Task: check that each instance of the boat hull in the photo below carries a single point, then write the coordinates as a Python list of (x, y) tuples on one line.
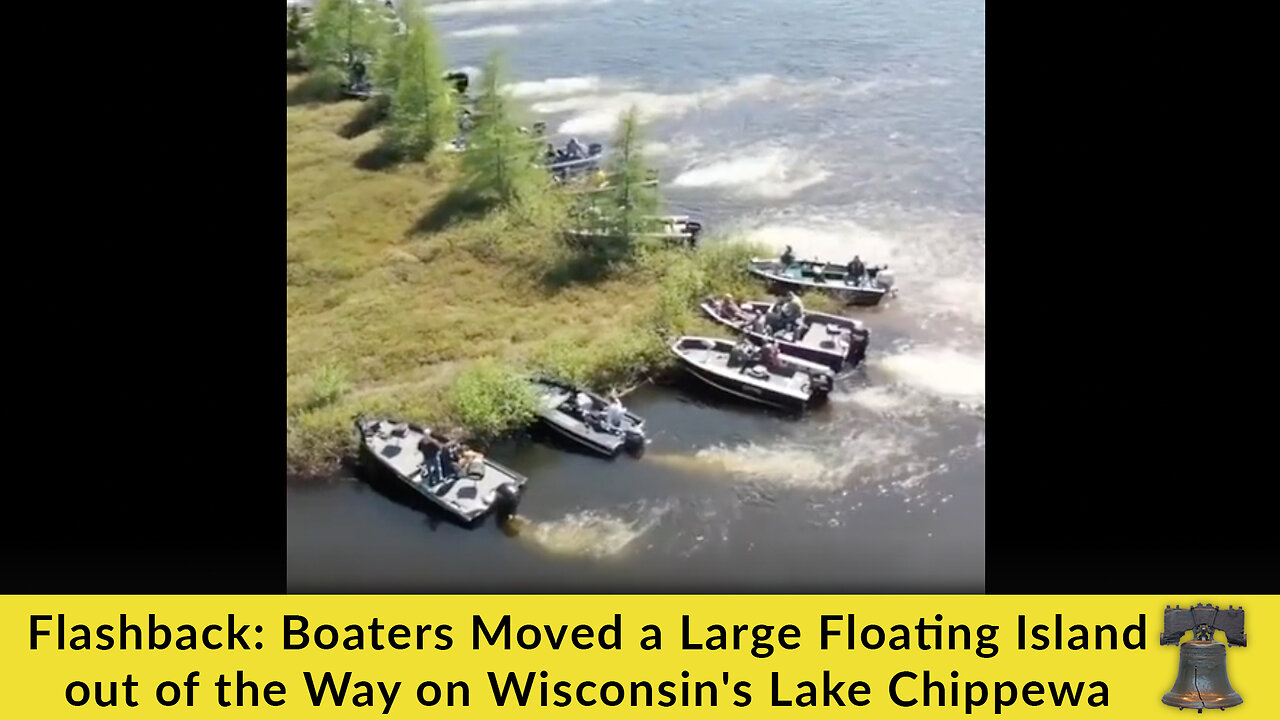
[(745, 391), (733, 382)]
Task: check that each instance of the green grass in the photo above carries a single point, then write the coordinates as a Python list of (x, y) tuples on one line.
[(402, 297)]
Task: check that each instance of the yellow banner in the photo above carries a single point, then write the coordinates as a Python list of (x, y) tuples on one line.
[(627, 655)]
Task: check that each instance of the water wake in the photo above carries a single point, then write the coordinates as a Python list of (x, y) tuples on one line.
[(944, 372), (764, 171), (591, 533), (862, 457), (598, 114), (553, 87), (487, 31), (475, 7)]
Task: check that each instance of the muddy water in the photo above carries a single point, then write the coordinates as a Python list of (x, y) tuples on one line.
[(834, 127)]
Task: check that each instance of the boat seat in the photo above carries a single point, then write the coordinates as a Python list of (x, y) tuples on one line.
[(467, 493), (759, 372)]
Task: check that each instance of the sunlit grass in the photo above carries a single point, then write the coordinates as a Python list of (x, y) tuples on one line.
[(393, 288)]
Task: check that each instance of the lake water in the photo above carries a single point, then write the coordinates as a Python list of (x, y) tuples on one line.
[(836, 127)]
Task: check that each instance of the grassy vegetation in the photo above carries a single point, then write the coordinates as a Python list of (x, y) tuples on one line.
[(405, 297)]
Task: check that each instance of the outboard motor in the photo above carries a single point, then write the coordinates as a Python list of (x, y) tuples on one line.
[(634, 440), (884, 278), (506, 499), (822, 382)]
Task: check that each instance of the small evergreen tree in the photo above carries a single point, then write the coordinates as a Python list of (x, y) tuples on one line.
[(423, 110), (631, 200), (342, 32), (500, 163), (295, 34)]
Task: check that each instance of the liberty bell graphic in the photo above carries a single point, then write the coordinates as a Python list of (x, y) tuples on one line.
[(1202, 662)]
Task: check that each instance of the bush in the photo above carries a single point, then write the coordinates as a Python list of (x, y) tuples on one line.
[(490, 399), (329, 385)]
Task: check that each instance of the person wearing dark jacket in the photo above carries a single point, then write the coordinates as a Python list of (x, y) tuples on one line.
[(856, 269)]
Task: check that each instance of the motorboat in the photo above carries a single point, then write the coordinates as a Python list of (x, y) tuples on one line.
[(581, 416), (463, 483), (869, 288), (739, 369), (834, 341)]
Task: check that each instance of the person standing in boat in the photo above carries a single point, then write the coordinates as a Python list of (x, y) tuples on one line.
[(856, 270), (788, 257), (574, 149), (616, 414), (585, 405)]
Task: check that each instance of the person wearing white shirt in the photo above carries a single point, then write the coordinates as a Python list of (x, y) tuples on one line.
[(616, 414)]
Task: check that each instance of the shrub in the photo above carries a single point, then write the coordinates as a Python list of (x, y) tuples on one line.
[(328, 386), (490, 399)]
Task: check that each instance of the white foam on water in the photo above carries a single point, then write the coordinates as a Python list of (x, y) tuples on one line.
[(553, 87), (487, 31), (598, 114), (886, 84), (764, 171), (476, 7), (678, 147), (862, 457), (592, 533), (961, 297), (944, 372), (886, 401)]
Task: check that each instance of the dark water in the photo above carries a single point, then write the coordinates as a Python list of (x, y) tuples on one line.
[(835, 127)]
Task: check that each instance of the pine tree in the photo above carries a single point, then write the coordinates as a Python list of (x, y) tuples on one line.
[(631, 200), (295, 34), (423, 111), (342, 32), (501, 162)]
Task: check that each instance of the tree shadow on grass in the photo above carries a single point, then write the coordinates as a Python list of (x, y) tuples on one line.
[(314, 89), (576, 268), (457, 205), (379, 157), (371, 113)]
